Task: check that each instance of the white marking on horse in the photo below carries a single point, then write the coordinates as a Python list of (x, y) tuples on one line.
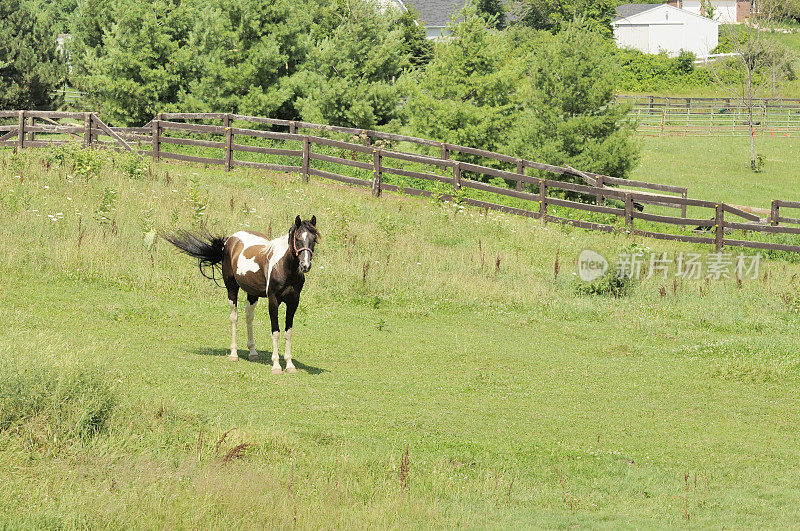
[(288, 354), (249, 239), (276, 366), (279, 246), (234, 356), (246, 265)]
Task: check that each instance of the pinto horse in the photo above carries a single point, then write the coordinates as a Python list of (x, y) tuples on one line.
[(274, 269)]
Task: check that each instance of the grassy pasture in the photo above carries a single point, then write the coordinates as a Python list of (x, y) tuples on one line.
[(422, 326), (718, 168)]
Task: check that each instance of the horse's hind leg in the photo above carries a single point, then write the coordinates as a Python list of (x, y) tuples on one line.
[(233, 297), (249, 314)]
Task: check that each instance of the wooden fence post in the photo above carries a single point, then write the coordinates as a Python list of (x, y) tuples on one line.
[(542, 200), (31, 134), (445, 153), (599, 182), (377, 174), (157, 138), (520, 171), (21, 132), (293, 127), (719, 235), (629, 210), (87, 126), (457, 176), (684, 195), (306, 158), (774, 212), (226, 120)]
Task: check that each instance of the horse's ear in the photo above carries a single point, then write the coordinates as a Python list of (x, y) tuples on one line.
[(314, 220), (297, 222)]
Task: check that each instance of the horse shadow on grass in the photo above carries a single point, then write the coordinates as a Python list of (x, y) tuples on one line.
[(265, 358)]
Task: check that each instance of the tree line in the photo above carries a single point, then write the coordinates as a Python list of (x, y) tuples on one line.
[(539, 88)]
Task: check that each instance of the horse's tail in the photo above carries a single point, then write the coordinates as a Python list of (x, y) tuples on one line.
[(207, 248)]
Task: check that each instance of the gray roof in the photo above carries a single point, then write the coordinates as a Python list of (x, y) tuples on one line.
[(628, 10), (435, 12)]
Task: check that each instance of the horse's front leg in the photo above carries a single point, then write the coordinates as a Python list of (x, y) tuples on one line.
[(276, 332), (291, 307), (250, 314)]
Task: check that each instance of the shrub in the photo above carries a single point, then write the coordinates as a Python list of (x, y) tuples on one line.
[(130, 164), (611, 284)]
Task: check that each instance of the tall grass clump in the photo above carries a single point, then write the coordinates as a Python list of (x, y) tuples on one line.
[(48, 409)]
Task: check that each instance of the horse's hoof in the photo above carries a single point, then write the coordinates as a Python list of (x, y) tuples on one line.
[(276, 370), (291, 370), (233, 357), (253, 357)]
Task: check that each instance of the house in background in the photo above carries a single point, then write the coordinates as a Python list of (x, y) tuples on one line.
[(726, 11), (653, 28), (434, 14)]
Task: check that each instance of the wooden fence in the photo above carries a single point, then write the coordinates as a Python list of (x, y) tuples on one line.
[(309, 153), (659, 115)]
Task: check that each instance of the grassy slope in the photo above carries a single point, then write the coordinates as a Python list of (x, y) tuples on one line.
[(521, 402)]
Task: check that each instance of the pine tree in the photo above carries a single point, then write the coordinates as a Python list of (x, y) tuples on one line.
[(31, 67)]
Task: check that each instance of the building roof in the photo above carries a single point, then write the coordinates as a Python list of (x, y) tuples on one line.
[(628, 10), (435, 13)]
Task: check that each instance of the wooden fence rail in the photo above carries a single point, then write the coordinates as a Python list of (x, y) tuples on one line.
[(538, 192)]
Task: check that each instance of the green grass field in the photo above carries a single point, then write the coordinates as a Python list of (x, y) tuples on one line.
[(718, 168), (422, 326)]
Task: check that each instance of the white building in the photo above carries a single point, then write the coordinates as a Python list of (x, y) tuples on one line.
[(726, 11), (653, 28)]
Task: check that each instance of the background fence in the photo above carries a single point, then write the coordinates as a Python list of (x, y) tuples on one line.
[(659, 115), (376, 160)]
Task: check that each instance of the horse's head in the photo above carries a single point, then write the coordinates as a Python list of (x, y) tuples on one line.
[(302, 238)]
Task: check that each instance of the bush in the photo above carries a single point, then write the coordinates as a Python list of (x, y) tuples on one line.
[(641, 72), (611, 284), (49, 408)]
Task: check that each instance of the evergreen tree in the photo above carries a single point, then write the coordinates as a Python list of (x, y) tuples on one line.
[(464, 95), (31, 67), (141, 65), (242, 54), (568, 117), (415, 41), (527, 93), (493, 11), (553, 15), (349, 77)]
